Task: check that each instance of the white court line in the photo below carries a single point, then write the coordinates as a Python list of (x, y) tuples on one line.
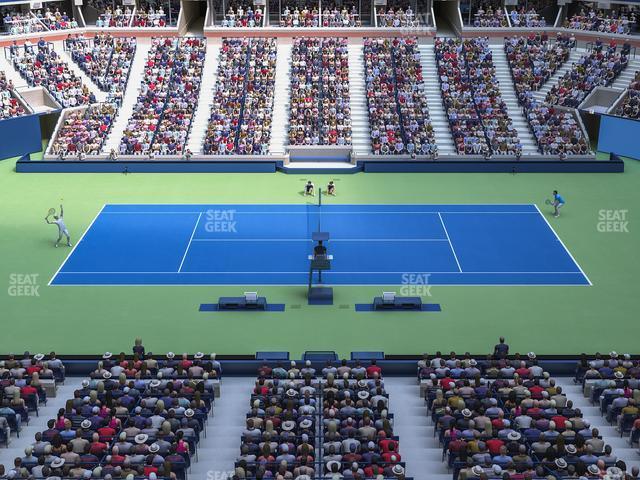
[(76, 244), (450, 244), (309, 240), (304, 284), (345, 204), (190, 240), (307, 272), (563, 245), (351, 212)]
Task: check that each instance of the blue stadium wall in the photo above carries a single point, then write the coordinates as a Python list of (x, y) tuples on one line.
[(620, 136), (20, 136)]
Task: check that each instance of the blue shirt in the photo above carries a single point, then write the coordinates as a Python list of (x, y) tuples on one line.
[(559, 198)]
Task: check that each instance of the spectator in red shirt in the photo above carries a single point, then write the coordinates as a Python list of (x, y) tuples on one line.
[(388, 444), (116, 458), (373, 369), (560, 422), (447, 383), (148, 469), (523, 371), (536, 391), (27, 391), (106, 433), (391, 456), (493, 445), (97, 447), (373, 470)]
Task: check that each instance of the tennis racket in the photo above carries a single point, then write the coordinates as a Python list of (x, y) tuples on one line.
[(51, 211), (548, 202)]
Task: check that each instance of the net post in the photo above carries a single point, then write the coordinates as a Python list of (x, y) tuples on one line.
[(319, 197)]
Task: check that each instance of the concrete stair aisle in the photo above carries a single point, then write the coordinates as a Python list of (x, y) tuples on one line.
[(508, 93), (11, 73), (58, 46), (203, 110), (438, 116), (218, 451), (38, 424), (575, 54), (136, 75), (282, 85), (358, 100), (627, 75), (621, 447), (418, 447)]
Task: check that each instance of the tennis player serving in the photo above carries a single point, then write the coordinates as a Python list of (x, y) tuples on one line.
[(59, 221)]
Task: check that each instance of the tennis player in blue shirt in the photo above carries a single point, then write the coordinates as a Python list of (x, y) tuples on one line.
[(558, 203)]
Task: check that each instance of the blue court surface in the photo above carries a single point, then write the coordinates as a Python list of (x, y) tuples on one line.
[(270, 245)]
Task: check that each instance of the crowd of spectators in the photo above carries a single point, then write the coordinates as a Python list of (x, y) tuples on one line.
[(612, 382), (506, 417), (457, 97), (40, 65), (521, 17), (240, 121), (396, 17), (533, 60), (22, 388), (622, 21), (56, 20), (16, 22), (117, 426), (84, 130), (478, 116), (599, 67), (186, 77), (144, 365), (162, 115), (358, 439), (398, 112), (341, 16), (300, 17), (489, 15), (319, 111), (150, 18), (346, 406), (114, 17), (499, 131), (156, 13), (281, 426), (106, 60), (243, 16), (557, 131), (630, 106), (10, 107), (154, 90)]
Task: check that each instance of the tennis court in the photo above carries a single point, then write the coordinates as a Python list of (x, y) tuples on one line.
[(270, 244)]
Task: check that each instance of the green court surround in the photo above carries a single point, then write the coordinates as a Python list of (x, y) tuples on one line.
[(548, 320)]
